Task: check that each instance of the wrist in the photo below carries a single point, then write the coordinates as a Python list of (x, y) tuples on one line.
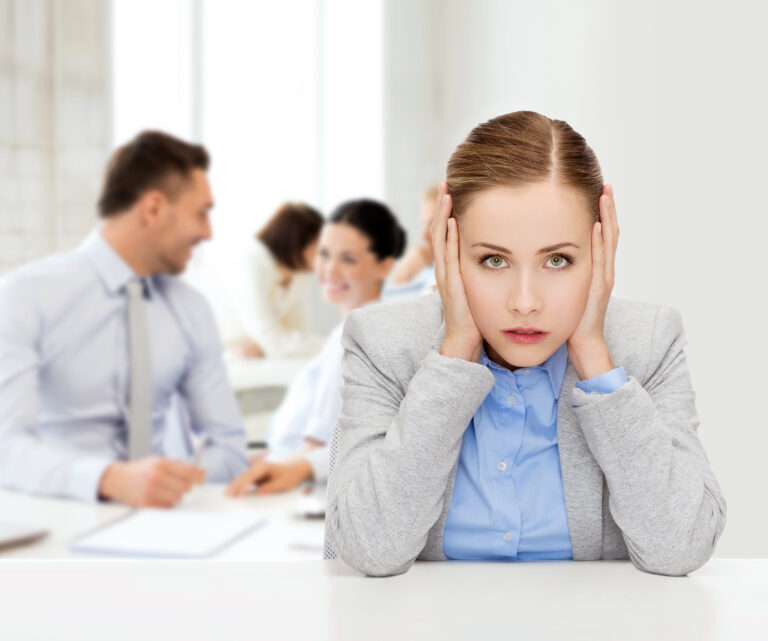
[(465, 350), (110, 480), (590, 360)]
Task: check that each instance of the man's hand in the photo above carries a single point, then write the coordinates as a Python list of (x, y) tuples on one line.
[(150, 482)]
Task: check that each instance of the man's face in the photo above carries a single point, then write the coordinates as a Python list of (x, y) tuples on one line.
[(181, 223)]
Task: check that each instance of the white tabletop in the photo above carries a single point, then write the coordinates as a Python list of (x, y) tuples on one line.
[(256, 373), (326, 600), (250, 592), (286, 535)]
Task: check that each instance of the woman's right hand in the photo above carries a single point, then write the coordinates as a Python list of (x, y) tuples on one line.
[(462, 338)]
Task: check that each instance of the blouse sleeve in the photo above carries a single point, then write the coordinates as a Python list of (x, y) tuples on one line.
[(259, 318), (662, 492)]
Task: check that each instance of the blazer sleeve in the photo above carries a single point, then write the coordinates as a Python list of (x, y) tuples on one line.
[(662, 492), (395, 449)]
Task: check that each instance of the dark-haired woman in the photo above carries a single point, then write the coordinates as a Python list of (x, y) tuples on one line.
[(356, 252), (267, 313)]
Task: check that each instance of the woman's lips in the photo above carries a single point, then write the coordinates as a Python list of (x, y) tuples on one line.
[(517, 336), (334, 289)]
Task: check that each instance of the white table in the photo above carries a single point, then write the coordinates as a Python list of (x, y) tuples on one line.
[(248, 592), (285, 536), (326, 600)]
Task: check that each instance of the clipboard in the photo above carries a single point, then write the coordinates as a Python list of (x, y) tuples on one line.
[(167, 534)]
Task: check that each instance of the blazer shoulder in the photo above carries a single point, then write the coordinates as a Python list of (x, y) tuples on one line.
[(392, 330), (640, 334)]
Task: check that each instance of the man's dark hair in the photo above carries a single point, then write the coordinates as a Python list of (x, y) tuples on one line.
[(152, 160), (292, 228)]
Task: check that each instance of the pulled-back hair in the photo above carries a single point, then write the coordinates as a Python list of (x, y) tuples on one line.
[(290, 230), (521, 148), (152, 160), (375, 221)]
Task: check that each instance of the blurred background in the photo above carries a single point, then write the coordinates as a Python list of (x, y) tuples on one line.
[(324, 100)]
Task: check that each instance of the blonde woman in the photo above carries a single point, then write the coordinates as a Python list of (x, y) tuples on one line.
[(521, 413)]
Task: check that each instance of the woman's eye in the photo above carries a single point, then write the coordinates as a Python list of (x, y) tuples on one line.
[(557, 261), (494, 261)]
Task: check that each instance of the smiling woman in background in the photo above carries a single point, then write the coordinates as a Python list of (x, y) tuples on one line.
[(521, 413), (356, 252), (267, 311)]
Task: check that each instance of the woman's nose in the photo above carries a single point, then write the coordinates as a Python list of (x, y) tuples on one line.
[(524, 299)]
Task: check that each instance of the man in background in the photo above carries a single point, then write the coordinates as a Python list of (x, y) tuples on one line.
[(95, 343)]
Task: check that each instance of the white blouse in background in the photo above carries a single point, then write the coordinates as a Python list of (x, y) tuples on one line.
[(310, 408), (266, 312)]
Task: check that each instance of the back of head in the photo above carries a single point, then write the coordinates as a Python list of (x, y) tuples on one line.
[(377, 222), (521, 148), (290, 230), (152, 160)]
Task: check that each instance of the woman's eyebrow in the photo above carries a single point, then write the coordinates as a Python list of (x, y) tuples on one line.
[(543, 250)]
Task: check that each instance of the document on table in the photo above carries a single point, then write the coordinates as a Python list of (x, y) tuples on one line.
[(168, 534)]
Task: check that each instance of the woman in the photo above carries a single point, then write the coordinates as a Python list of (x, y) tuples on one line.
[(521, 413), (356, 252), (415, 273), (267, 316)]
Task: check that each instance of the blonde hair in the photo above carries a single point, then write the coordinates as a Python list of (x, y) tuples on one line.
[(521, 148)]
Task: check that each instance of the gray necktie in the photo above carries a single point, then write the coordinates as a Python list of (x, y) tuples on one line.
[(140, 394)]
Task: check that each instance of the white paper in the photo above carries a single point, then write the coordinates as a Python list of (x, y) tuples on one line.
[(168, 534)]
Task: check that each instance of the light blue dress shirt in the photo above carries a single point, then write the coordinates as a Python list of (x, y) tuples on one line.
[(508, 500), (64, 372)]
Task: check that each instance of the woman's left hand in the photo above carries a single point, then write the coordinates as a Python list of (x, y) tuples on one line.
[(586, 346)]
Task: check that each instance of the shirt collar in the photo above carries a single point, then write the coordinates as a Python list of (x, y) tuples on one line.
[(110, 267), (554, 366)]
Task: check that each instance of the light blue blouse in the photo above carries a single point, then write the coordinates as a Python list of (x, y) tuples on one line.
[(508, 500)]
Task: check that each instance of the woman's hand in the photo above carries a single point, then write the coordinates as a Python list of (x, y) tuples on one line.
[(271, 477), (586, 346), (462, 338)]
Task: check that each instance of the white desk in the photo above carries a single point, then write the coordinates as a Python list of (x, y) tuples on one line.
[(47, 593), (284, 537), (325, 600)]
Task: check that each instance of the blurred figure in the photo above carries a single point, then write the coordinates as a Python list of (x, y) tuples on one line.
[(357, 251), (416, 271), (95, 343), (267, 309)]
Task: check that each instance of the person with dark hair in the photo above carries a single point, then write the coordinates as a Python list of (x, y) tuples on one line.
[(96, 342), (268, 288), (357, 250)]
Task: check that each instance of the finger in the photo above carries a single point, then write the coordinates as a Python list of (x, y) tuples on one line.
[(161, 497), (253, 476), (610, 232), (174, 484), (439, 231), (184, 471), (598, 254), (275, 483)]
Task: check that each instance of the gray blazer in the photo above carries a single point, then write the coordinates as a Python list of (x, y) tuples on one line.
[(637, 482)]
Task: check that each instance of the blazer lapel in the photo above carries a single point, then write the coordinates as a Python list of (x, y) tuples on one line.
[(582, 478)]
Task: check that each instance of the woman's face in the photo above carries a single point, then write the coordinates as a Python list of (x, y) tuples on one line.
[(348, 271), (526, 262)]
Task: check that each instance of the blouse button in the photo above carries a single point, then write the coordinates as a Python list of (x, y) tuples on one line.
[(526, 372), (501, 466), (511, 400), (507, 536)]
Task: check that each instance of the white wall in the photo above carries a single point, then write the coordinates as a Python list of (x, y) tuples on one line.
[(672, 97), (54, 124)]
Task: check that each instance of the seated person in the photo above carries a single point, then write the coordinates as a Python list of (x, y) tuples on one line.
[(96, 341), (415, 273), (267, 289), (357, 250)]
